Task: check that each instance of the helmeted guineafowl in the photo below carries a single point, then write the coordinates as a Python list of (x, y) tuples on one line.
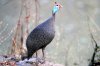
[(42, 35)]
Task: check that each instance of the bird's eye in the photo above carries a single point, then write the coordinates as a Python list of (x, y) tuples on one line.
[(56, 5)]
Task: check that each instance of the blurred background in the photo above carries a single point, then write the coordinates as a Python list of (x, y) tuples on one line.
[(72, 44)]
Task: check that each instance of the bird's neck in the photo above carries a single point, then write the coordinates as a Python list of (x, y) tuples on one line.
[(53, 20), (53, 15)]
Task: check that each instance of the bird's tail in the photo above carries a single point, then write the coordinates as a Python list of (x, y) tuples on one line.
[(24, 57), (30, 53)]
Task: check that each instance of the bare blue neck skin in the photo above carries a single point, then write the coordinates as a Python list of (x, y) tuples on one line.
[(55, 9)]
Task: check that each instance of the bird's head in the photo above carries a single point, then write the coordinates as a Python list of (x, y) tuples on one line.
[(56, 7)]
